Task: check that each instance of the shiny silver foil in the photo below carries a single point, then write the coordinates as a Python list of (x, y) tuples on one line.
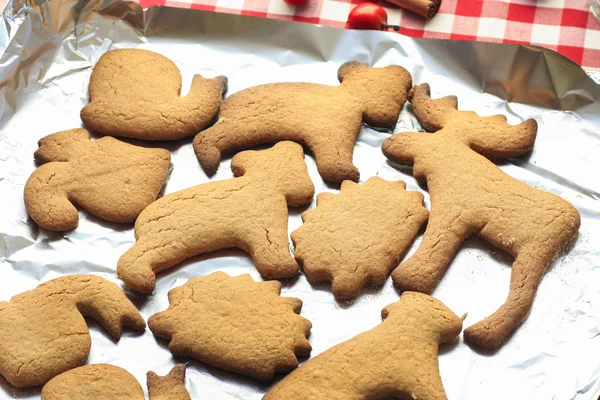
[(49, 49)]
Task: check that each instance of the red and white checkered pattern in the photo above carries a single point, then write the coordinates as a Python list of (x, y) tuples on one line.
[(566, 26)]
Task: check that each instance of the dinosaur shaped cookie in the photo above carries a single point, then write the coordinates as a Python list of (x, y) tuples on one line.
[(471, 195), (325, 119), (109, 178), (235, 324), (396, 359), (108, 382), (136, 93), (249, 212), (358, 236), (43, 331)]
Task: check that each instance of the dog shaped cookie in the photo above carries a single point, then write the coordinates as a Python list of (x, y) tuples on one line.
[(236, 324), (248, 212), (108, 382), (397, 359), (111, 179), (136, 93), (325, 119), (471, 195), (43, 331)]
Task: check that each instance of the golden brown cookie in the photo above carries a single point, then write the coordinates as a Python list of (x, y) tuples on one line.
[(249, 212), (43, 331), (109, 178), (168, 387), (108, 382), (358, 236), (93, 382), (136, 93), (235, 324), (325, 119), (397, 359), (471, 195)]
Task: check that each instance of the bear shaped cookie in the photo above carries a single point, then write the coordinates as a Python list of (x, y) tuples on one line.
[(43, 331), (325, 119), (136, 93), (249, 212), (109, 382), (111, 179), (397, 359), (235, 324), (471, 195), (358, 236)]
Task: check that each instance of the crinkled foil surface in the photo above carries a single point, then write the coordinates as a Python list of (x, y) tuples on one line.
[(49, 50)]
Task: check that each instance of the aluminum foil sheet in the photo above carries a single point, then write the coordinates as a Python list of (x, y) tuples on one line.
[(49, 51)]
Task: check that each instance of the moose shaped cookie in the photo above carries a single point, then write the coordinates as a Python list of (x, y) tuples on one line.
[(248, 212), (136, 93), (359, 235), (109, 382), (43, 331), (471, 195), (236, 324), (325, 119), (397, 359), (111, 179)]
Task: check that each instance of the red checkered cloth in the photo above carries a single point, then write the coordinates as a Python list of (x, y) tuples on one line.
[(566, 26)]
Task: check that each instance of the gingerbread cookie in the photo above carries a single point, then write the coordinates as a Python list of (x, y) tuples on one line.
[(358, 236), (471, 195), (397, 359), (108, 382), (111, 179), (168, 387), (249, 212), (325, 119), (136, 93), (43, 332), (235, 324)]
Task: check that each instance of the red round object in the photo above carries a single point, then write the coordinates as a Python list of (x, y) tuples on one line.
[(367, 16), (295, 2)]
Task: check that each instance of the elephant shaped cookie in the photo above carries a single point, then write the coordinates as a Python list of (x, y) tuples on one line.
[(111, 179), (108, 382), (249, 212), (136, 93), (325, 119), (43, 331), (397, 359), (471, 195)]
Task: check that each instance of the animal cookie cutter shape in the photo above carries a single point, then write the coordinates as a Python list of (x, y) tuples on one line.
[(108, 382), (235, 324), (136, 93), (109, 178), (396, 359), (249, 212), (326, 119), (471, 195), (358, 236), (43, 330)]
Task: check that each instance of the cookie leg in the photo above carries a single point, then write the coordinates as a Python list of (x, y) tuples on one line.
[(269, 248), (444, 234), (205, 145), (334, 161)]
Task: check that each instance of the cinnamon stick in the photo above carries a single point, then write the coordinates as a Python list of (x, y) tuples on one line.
[(425, 8)]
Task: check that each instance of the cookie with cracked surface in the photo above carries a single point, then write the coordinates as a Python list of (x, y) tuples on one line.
[(359, 235), (137, 94), (471, 195), (325, 119), (249, 212), (111, 179), (44, 332), (109, 382), (396, 359), (168, 387), (236, 324)]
